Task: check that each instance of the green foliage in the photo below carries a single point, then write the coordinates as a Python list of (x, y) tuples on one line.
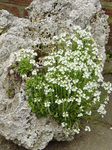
[(25, 66), (69, 86)]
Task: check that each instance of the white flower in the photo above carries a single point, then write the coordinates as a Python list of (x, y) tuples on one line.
[(27, 50), (34, 72), (48, 90), (86, 75), (77, 131), (71, 99), (87, 128), (24, 76), (80, 115), (58, 101), (64, 124), (69, 43), (35, 54), (55, 38), (97, 93), (37, 100), (47, 104), (107, 86), (32, 61), (78, 100), (65, 114), (88, 113), (101, 110), (96, 99)]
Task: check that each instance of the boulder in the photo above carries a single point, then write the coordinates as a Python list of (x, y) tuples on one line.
[(46, 19)]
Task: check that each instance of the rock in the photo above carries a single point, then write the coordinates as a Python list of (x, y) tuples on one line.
[(98, 139), (46, 19), (108, 67), (55, 16), (108, 119)]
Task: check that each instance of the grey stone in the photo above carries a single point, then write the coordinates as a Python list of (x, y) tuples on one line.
[(46, 19), (98, 139), (53, 17)]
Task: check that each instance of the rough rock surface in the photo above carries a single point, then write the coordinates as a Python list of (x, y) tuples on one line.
[(46, 19), (52, 17)]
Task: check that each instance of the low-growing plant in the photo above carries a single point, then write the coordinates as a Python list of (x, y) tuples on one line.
[(69, 84)]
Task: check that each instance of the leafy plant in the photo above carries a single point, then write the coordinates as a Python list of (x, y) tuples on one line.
[(70, 84)]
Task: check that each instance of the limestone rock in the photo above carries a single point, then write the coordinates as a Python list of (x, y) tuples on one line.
[(46, 19), (52, 17)]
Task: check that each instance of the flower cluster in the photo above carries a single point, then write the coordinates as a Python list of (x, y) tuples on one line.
[(70, 87), (27, 62)]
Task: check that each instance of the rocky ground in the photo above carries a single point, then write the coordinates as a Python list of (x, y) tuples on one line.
[(100, 138)]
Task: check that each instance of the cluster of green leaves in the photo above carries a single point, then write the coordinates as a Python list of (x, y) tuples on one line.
[(48, 93), (25, 66)]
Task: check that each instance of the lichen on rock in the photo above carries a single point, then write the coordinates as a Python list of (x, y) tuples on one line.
[(46, 19)]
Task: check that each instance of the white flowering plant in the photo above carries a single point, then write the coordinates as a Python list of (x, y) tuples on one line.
[(68, 86)]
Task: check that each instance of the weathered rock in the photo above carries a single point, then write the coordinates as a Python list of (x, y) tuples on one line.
[(52, 17), (46, 19)]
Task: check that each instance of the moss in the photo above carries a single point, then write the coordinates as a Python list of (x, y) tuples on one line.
[(11, 93)]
